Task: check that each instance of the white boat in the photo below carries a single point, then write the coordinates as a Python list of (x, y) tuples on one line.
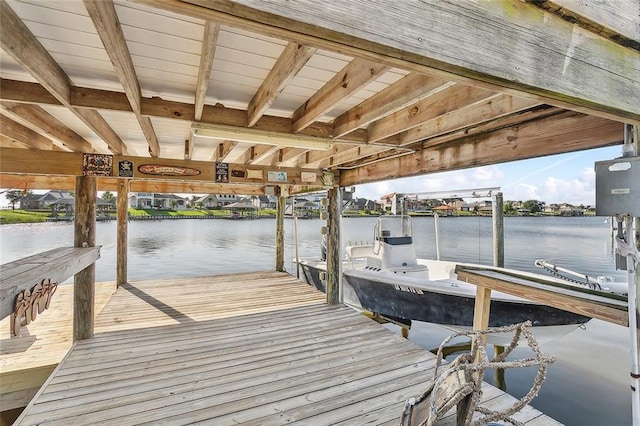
[(387, 278)]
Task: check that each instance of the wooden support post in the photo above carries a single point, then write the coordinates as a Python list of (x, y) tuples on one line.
[(122, 234), (84, 236), (280, 234), (333, 248), (498, 230), (635, 135)]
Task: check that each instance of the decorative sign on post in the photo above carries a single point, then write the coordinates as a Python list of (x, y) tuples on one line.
[(97, 165), (222, 172), (277, 176), (308, 177), (162, 170), (125, 168)]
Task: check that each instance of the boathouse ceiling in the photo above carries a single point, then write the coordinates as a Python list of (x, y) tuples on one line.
[(284, 91)]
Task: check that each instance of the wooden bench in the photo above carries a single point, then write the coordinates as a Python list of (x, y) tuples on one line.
[(27, 361), (57, 265)]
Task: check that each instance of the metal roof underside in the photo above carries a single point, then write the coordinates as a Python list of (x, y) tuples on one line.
[(176, 70)]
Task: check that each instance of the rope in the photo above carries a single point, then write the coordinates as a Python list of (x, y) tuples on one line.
[(625, 249), (467, 371)]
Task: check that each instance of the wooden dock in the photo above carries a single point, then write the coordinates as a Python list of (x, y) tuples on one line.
[(260, 348), (27, 361)]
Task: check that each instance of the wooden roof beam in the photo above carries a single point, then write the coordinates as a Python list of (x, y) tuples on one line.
[(289, 156), (18, 41), (290, 62), (110, 184), (24, 135), (557, 63), (39, 162), (441, 103), (105, 19), (189, 145), (83, 97), (565, 132), (207, 53), (38, 117), (264, 155), (357, 74), (408, 90), (616, 21), (7, 142), (222, 150), (501, 122), (466, 117)]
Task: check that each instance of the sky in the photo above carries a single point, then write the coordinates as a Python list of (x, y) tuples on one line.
[(564, 178)]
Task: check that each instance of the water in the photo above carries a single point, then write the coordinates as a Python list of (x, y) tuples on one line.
[(587, 385)]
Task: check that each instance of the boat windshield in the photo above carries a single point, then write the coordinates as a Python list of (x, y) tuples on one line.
[(392, 227)]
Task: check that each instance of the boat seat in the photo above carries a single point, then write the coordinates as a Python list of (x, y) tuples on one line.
[(360, 251)]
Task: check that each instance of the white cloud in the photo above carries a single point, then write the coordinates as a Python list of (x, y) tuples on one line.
[(576, 190)]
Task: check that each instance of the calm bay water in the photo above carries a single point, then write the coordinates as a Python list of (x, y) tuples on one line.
[(588, 384)]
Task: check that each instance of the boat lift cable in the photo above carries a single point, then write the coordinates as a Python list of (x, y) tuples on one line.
[(557, 272)]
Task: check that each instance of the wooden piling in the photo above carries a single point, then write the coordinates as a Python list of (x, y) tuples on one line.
[(333, 247), (280, 234), (84, 236), (121, 245)]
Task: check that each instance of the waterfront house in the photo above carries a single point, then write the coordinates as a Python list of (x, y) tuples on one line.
[(43, 201), (150, 200), (215, 201)]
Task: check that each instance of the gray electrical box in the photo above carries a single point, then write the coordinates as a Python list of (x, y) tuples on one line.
[(618, 187)]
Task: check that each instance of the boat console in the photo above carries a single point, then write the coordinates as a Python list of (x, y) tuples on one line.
[(392, 249)]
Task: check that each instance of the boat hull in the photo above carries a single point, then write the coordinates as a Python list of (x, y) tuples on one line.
[(398, 298)]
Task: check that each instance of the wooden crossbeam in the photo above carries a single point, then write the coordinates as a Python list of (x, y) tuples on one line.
[(207, 52), (574, 300)]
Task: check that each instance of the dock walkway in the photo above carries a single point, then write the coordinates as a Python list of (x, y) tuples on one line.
[(260, 348)]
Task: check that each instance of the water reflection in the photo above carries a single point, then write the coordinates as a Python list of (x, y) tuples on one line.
[(149, 245), (588, 384)]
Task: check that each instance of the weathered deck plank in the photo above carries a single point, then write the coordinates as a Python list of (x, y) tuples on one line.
[(255, 348), (27, 361)]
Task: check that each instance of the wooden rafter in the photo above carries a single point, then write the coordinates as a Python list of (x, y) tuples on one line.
[(18, 41), (290, 62), (83, 97), (188, 148), (24, 135), (439, 104), (207, 52), (7, 142), (467, 117), (263, 155), (38, 117), (551, 69), (104, 17), (406, 91), (357, 74), (559, 133), (223, 149), (289, 156), (502, 122)]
